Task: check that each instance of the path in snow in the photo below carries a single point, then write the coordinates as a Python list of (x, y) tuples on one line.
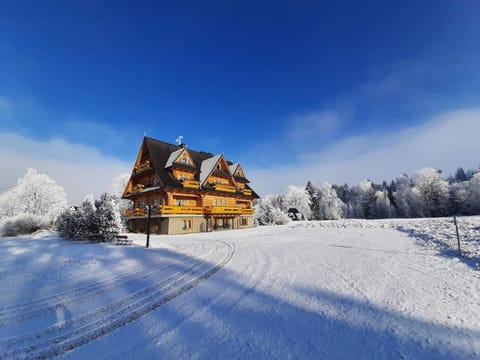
[(295, 291), (94, 312), (314, 293)]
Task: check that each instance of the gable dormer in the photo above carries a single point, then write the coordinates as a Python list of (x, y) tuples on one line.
[(180, 157), (215, 172), (238, 173)]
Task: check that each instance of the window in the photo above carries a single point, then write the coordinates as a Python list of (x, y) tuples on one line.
[(184, 160), (187, 224), (244, 221), (181, 202)]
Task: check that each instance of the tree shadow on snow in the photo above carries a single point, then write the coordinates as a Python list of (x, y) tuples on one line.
[(444, 248), (228, 316)]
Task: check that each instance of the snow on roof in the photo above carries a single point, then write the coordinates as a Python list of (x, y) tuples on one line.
[(173, 156), (233, 168), (207, 167)]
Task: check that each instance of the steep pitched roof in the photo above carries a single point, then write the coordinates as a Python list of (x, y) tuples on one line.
[(173, 156), (163, 156), (207, 167)]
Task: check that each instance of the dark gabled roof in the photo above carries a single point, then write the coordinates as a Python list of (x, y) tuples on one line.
[(160, 154)]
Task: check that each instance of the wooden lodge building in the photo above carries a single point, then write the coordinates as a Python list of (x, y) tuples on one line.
[(187, 191)]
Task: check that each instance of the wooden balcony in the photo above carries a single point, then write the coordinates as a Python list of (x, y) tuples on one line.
[(135, 212), (174, 209), (191, 184), (226, 188), (248, 211), (143, 167), (137, 188), (247, 192), (223, 210)]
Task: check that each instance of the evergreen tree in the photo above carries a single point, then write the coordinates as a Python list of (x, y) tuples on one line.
[(314, 206)]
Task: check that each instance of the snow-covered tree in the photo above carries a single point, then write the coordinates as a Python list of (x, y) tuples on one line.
[(314, 205), (106, 217), (329, 204), (119, 183), (433, 191), (95, 222), (268, 212), (382, 207), (34, 203), (407, 199), (472, 189), (298, 198), (37, 194)]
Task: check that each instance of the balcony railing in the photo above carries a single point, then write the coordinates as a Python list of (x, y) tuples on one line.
[(224, 187), (174, 209), (189, 210), (222, 210), (191, 184), (134, 212), (145, 166), (247, 192)]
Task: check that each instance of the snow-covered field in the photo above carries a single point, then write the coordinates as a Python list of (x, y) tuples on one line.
[(390, 289)]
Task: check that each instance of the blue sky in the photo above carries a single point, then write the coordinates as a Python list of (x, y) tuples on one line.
[(323, 90)]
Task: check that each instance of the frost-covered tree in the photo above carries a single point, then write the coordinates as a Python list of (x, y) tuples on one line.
[(407, 199), (298, 198), (37, 194), (382, 207), (363, 200), (106, 217), (433, 191), (330, 205), (34, 203), (119, 183), (314, 205), (268, 211), (94, 222), (472, 188)]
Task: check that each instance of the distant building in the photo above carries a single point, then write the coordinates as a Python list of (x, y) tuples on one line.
[(187, 191)]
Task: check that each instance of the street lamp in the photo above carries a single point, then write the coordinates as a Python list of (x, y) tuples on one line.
[(149, 215)]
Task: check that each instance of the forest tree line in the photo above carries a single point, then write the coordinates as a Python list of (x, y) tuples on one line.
[(425, 194)]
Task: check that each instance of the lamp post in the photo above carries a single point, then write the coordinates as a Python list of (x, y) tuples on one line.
[(149, 207), (149, 215)]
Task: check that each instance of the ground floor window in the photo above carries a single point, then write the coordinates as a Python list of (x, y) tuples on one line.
[(244, 221), (187, 224)]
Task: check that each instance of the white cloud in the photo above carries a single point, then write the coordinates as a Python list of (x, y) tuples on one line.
[(306, 127), (444, 142), (79, 169)]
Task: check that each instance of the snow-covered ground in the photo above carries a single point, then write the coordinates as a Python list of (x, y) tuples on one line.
[(387, 289)]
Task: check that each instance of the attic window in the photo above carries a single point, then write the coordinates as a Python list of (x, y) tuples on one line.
[(184, 160)]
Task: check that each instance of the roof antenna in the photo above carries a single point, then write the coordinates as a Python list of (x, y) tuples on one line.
[(179, 140)]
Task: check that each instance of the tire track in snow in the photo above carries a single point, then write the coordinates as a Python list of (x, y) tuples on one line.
[(82, 329), (21, 312)]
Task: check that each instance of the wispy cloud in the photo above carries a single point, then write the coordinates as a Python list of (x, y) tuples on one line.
[(80, 169), (444, 142), (315, 125)]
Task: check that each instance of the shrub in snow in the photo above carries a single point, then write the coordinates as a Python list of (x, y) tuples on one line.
[(22, 224), (95, 222)]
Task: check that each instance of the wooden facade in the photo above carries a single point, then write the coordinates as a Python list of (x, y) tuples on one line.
[(187, 191)]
